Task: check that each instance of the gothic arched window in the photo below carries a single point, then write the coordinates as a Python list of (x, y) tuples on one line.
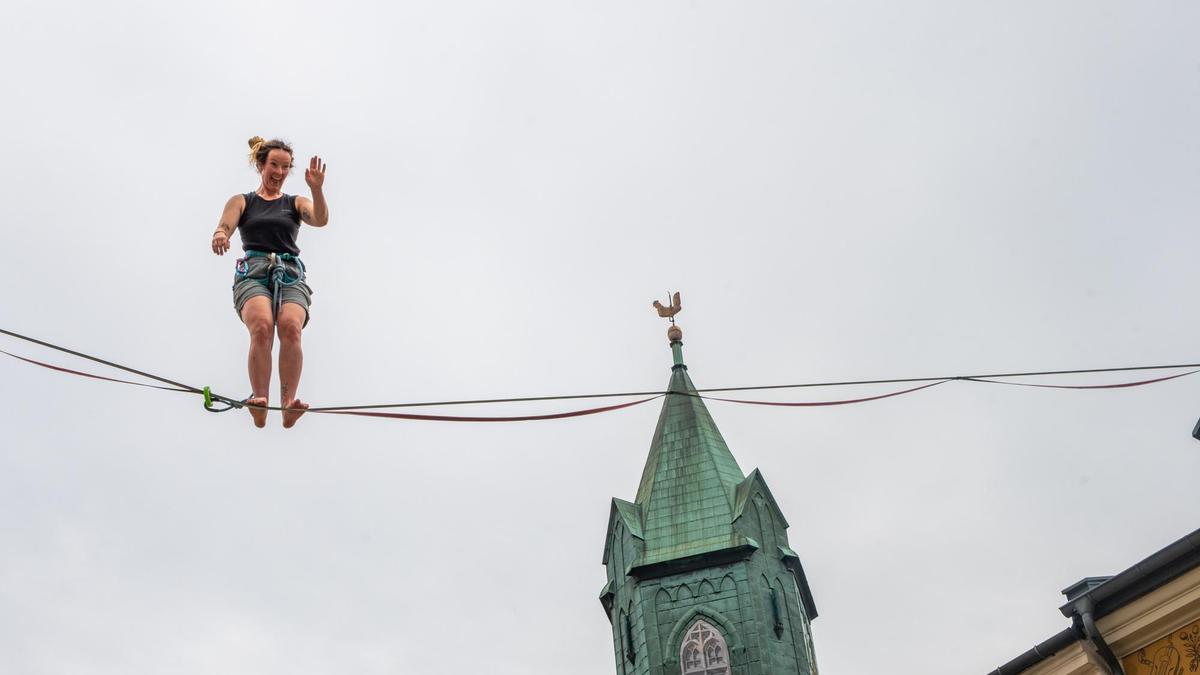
[(704, 651)]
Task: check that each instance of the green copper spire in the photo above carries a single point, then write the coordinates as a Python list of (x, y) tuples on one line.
[(689, 484)]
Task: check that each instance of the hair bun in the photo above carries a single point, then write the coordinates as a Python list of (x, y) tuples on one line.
[(255, 143)]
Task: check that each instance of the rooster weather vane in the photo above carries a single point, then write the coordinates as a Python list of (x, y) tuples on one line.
[(674, 333)]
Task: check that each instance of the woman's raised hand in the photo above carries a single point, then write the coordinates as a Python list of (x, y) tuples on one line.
[(314, 175)]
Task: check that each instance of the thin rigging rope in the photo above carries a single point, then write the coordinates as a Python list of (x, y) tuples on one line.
[(519, 418), (712, 390), (1121, 385), (827, 403), (102, 361), (98, 377)]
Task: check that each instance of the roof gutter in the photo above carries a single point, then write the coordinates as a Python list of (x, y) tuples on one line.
[(1147, 575), (1040, 652), (1083, 627)]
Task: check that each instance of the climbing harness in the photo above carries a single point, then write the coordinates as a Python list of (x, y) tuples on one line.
[(279, 274)]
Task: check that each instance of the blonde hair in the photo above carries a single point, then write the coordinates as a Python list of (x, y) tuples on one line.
[(260, 148)]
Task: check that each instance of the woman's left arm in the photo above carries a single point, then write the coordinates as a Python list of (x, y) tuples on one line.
[(315, 212)]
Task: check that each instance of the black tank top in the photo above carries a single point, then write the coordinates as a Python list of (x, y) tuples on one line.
[(270, 226)]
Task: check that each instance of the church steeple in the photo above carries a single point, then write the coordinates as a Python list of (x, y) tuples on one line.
[(688, 488), (701, 579)]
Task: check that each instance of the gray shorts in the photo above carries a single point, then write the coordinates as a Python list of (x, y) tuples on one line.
[(254, 276)]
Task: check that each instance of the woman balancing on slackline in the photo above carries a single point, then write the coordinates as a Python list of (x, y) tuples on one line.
[(269, 292)]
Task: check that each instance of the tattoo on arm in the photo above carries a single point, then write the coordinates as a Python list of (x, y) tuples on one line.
[(307, 213)]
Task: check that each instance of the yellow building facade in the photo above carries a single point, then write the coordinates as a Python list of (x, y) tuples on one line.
[(1143, 621), (1175, 654)]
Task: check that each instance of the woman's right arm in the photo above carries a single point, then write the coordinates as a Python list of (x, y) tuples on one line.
[(229, 220)]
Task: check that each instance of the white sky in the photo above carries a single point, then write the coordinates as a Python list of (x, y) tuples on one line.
[(841, 191)]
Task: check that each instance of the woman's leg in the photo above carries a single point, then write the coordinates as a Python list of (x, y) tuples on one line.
[(256, 314), (291, 360)]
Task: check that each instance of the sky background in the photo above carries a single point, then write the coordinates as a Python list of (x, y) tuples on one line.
[(841, 191)]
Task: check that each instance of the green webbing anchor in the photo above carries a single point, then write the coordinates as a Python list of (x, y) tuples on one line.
[(208, 402)]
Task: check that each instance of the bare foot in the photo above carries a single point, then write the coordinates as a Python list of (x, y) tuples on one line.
[(292, 412), (260, 413)]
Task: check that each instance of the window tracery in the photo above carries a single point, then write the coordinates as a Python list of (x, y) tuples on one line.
[(704, 651)]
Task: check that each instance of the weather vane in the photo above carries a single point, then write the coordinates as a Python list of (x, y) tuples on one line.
[(674, 333)]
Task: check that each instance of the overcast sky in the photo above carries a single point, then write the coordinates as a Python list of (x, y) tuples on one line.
[(850, 190)]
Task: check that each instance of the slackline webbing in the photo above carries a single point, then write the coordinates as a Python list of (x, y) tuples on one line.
[(460, 418), (824, 403), (89, 357), (363, 410), (1121, 385), (98, 377)]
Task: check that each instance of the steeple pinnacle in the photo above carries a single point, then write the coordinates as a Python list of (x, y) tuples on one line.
[(674, 333)]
